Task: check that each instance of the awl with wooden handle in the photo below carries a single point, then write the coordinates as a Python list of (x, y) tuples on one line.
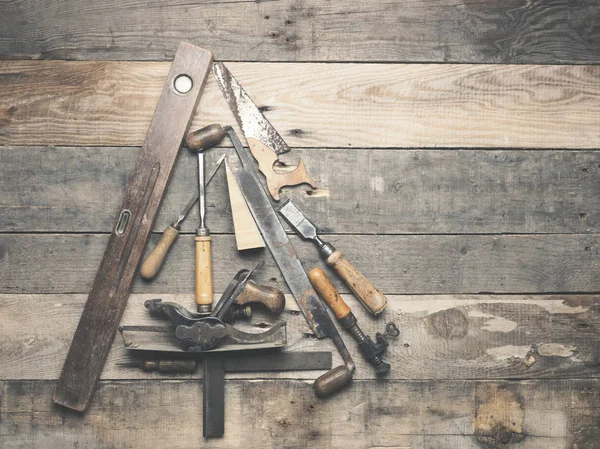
[(197, 142), (155, 259), (365, 291)]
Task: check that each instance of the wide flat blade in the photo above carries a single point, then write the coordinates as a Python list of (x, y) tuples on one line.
[(253, 123), (279, 244), (298, 220)]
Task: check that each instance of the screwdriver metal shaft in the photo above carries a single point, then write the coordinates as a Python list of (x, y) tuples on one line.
[(155, 259)]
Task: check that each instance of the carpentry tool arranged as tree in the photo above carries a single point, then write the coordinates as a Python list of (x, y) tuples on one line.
[(152, 264), (145, 188), (290, 266), (198, 332), (209, 331), (370, 350), (265, 142), (364, 290), (270, 361)]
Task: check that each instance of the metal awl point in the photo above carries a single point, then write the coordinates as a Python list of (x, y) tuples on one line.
[(192, 201)]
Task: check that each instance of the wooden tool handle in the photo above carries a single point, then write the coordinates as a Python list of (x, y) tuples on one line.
[(328, 293), (205, 138), (155, 259), (204, 285), (271, 297), (332, 381), (372, 299)]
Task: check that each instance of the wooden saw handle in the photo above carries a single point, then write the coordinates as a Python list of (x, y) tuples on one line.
[(155, 259), (271, 297), (266, 158), (365, 291), (204, 284)]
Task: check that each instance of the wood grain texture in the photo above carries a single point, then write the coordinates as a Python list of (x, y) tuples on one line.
[(405, 264), (355, 105), (442, 336), (520, 31), (389, 192), (442, 414), (247, 235)]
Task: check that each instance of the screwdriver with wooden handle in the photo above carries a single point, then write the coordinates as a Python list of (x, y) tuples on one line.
[(155, 259), (365, 291), (197, 142)]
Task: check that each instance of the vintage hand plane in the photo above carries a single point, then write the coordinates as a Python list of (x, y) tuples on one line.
[(197, 332), (210, 337)]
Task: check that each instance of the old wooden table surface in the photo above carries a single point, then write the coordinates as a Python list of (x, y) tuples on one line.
[(455, 148)]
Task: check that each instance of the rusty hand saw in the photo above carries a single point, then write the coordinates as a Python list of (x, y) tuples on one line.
[(263, 139), (145, 188)]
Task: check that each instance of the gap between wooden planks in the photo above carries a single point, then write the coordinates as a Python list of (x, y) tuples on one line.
[(315, 105), (442, 336), (549, 414), (80, 189), (397, 264)]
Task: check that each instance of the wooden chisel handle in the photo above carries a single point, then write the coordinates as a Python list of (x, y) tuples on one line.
[(155, 259), (271, 297), (204, 284), (365, 291)]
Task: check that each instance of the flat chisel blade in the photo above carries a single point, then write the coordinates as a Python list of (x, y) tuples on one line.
[(278, 242), (253, 123), (298, 220)]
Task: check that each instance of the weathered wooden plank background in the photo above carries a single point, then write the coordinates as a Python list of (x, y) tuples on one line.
[(456, 149), (496, 31), (355, 105)]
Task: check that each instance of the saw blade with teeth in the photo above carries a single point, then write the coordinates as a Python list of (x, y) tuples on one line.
[(253, 123)]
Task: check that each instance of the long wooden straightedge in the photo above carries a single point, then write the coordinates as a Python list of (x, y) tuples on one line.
[(144, 193)]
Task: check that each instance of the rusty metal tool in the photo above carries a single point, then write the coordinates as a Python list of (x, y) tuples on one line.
[(197, 332), (198, 142), (365, 291), (290, 266), (370, 350), (152, 264), (216, 365), (144, 192), (200, 333), (265, 142)]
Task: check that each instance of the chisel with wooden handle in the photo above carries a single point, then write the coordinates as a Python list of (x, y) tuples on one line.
[(197, 142), (365, 291), (155, 259)]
